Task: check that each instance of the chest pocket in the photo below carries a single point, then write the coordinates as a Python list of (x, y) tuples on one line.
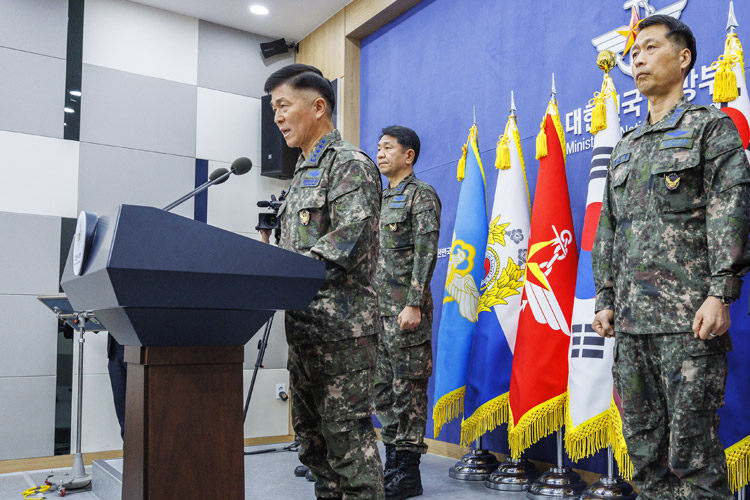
[(677, 182), (619, 181), (395, 229), (308, 216)]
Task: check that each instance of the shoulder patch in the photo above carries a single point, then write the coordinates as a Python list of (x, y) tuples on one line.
[(311, 178), (621, 159), (682, 142)]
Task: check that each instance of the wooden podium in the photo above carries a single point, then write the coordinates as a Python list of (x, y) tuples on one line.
[(184, 298)]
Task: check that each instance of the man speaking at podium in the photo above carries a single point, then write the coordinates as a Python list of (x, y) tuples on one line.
[(331, 213)]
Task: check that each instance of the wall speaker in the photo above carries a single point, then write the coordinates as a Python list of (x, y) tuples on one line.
[(277, 159)]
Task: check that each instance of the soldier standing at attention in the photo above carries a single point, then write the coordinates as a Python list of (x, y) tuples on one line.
[(409, 230), (331, 213), (667, 261)]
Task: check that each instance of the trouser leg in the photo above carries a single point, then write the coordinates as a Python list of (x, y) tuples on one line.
[(671, 386), (343, 455), (306, 421), (384, 392), (118, 378), (405, 371), (694, 375), (638, 382)]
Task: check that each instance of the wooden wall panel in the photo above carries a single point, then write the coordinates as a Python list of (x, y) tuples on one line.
[(324, 47), (334, 48), (364, 17)]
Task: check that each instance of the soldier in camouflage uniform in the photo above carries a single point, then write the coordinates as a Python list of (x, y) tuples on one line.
[(331, 213), (409, 230), (668, 259)]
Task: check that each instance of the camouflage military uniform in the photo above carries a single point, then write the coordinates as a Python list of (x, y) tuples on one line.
[(409, 230), (673, 225), (331, 213)]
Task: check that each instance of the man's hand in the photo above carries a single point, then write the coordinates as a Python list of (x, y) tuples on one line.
[(265, 235), (410, 318), (711, 320), (603, 323)]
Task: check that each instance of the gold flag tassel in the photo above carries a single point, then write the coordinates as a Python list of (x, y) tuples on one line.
[(599, 115), (541, 139), (462, 161), (725, 81), (502, 157)]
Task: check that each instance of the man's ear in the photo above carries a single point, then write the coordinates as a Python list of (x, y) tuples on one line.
[(410, 154), (685, 57), (321, 107)]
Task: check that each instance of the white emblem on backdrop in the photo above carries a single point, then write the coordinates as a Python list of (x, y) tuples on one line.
[(615, 42)]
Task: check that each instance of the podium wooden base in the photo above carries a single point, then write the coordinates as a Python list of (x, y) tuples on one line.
[(183, 423)]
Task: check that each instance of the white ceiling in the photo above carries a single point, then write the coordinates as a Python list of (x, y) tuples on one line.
[(290, 19)]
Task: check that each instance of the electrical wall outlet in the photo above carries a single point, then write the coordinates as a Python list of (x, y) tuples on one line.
[(280, 389)]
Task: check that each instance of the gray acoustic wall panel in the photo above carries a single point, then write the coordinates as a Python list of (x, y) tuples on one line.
[(38, 26), (29, 337), (30, 254), (139, 112), (34, 87), (109, 176), (28, 417), (230, 60)]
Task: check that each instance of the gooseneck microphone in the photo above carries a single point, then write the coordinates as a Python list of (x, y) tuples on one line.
[(240, 166)]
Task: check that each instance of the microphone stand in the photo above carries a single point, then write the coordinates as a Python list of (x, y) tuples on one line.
[(198, 190)]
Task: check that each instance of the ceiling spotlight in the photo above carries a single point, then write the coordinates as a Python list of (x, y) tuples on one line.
[(258, 10), (70, 110), (76, 93)]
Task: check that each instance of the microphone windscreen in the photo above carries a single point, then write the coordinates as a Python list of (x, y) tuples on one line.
[(218, 173), (264, 203), (241, 165)]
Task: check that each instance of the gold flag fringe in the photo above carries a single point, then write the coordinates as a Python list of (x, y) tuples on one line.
[(447, 408), (540, 421), (597, 433), (738, 464), (485, 419), (725, 81)]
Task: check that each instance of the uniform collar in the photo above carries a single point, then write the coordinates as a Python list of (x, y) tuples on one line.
[(401, 185), (320, 147), (668, 121)]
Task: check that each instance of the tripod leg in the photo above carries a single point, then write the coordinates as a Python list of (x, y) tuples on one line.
[(258, 362)]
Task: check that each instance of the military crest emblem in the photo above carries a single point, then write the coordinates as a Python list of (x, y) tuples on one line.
[(672, 181), (393, 226), (304, 217), (460, 284), (616, 41)]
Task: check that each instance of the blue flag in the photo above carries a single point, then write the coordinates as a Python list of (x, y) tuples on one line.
[(461, 295), (488, 379)]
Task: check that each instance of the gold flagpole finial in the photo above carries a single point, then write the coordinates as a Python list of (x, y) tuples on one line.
[(606, 61)]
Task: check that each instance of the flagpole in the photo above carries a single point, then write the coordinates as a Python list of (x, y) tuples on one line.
[(476, 465), (559, 481)]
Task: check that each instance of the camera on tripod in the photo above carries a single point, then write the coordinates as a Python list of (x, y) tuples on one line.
[(270, 220)]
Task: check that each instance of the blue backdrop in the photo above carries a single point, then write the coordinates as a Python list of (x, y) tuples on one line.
[(430, 67)]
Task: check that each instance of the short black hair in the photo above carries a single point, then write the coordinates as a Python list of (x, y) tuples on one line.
[(406, 137), (678, 32), (303, 76)]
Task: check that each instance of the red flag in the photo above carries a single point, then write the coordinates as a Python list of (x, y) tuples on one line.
[(539, 381)]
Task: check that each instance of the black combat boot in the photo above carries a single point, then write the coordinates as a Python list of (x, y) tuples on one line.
[(406, 481), (391, 464)]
